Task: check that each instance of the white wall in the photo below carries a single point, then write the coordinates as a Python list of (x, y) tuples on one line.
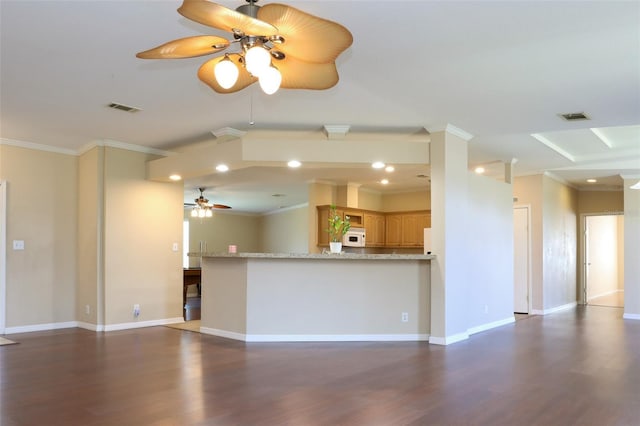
[(631, 249), (490, 251)]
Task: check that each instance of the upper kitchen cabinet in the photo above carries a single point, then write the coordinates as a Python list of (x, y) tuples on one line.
[(406, 229), (374, 225)]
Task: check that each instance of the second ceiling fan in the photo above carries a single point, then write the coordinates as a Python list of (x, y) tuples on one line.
[(277, 45)]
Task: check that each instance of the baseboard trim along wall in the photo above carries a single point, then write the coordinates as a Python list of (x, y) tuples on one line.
[(315, 337), (553, 310), (40, 327), (490, 325), (141, 324), (631, 316), (448, 340), (89, 326)]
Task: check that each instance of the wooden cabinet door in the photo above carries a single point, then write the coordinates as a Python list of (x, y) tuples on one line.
[(393, 228), (374, 225), (413, 225)]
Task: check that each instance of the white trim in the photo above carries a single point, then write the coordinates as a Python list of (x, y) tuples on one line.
[(466, 136), (286, 209), (490, 325), (606, 293), (122, 145), (631, 316), (40, 327), (315, 337), (554, 310), (448, 340), (543, 140), (3, 254), (529, 252), (141, 324), (90, 327), (37, 146)]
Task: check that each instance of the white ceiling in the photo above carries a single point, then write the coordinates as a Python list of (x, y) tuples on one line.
[(499, 70)]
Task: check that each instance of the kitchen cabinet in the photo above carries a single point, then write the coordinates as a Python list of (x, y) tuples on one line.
[(393, 226), (374, 225), (406, 229)]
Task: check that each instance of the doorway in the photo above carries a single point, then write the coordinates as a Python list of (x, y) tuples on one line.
[(521, 260), (603, 260)]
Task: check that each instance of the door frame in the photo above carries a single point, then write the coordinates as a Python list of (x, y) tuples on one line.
[(527, 207), (3, 255), (583, 246)]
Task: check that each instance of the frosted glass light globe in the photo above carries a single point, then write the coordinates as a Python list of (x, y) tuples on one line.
[(258, 60), (270, 80), (226, 73)]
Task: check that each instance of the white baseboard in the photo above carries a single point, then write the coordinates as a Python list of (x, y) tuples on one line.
[(606, 293), (553, 310), (490, 325), (40, 327), (448, 340), (90, 327), (631, 316), (141, 324), (315, 337)]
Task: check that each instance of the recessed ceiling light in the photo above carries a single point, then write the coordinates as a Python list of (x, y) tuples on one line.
[(378, 165), (479, 170), (591, 180), (384, 181), (222, 168), (175, 177), (294, 163), (389, 169)]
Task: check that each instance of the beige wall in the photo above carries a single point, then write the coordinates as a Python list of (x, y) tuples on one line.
[(90, 284), (142, 220), (369, 200), (285, 231), (600, 202), (560, 210), (404, 201), (620, 250), (223, 229), (41, 211)]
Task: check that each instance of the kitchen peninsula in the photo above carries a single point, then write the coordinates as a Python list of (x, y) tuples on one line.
[(274, 297)]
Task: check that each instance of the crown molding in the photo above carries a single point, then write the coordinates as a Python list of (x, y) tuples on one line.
[(450, 128), (122, 145), (37, 146)]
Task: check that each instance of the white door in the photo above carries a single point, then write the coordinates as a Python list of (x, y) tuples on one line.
[(521, 260), (602, 275)]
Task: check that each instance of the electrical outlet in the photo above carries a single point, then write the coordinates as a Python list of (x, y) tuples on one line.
[(136, 310), (87, 309), (405, 317), (18, 244)]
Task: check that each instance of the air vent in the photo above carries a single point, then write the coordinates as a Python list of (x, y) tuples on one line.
[(124, 108), (573, 116)]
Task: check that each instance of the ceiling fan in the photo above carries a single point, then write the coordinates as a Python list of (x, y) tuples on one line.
[(202, 208), (276, 45)]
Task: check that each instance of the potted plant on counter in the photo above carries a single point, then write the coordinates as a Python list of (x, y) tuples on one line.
[(337, 228)]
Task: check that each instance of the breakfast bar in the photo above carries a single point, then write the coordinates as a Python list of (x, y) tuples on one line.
[(282, 297)]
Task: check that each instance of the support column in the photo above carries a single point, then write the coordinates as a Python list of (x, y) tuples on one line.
[(449, 215), (631, 248)]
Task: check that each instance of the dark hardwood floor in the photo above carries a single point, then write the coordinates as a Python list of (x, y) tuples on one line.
[(580, 367)]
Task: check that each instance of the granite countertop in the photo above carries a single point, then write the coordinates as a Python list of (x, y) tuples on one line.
[(326, 256)]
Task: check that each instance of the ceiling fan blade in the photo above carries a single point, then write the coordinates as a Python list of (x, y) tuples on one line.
[(207, 75), (298, 74), (221, 206), (306, 36), (217, 16), (188, 47)]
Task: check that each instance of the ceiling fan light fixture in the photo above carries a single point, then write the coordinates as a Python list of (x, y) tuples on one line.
[(226, 72), (257, 60), (270, 80)]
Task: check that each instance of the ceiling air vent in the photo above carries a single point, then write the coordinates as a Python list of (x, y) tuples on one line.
[(573, 116), (124, 108)]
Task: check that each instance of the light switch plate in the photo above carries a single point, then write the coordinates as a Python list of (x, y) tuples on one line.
[(174, 247), (18, 244)]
